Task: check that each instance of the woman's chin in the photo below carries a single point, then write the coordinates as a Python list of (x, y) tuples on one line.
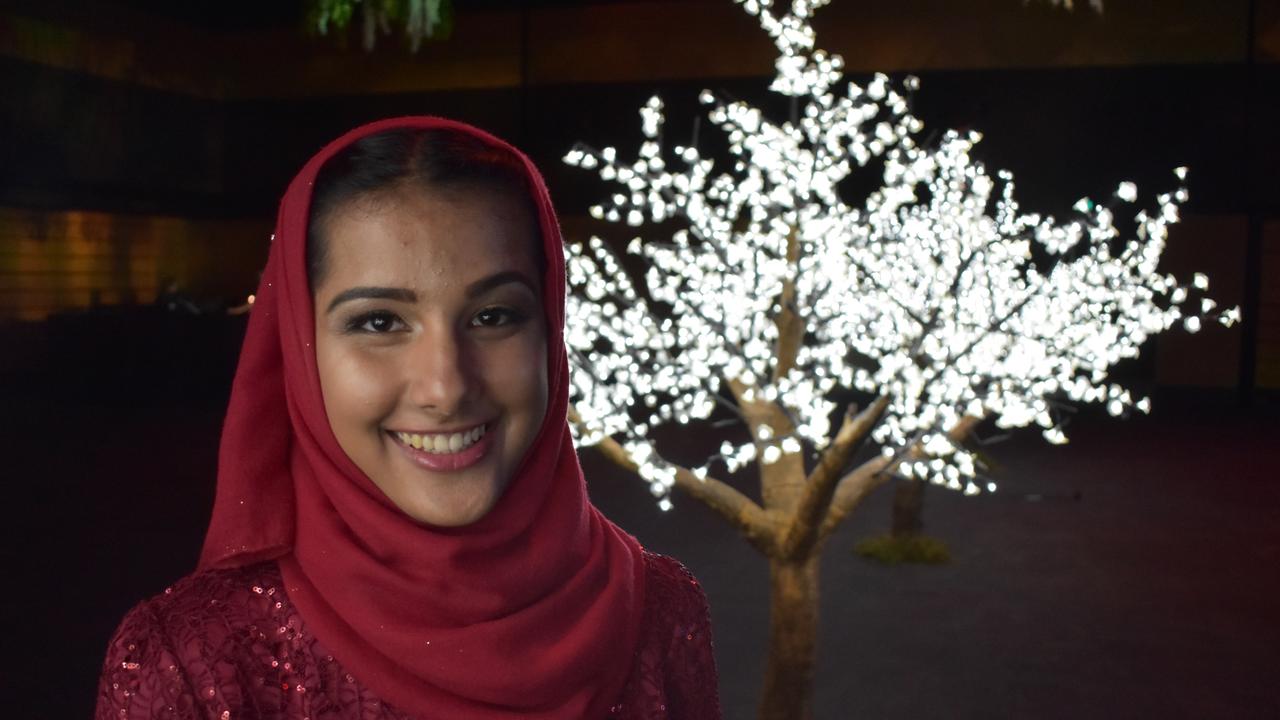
[(448, 500), (453, 516)]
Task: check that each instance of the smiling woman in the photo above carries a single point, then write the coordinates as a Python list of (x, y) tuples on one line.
[(402, 528), (431, 342)]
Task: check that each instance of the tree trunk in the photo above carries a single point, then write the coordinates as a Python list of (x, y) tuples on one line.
[(908, 508), (793, 624)]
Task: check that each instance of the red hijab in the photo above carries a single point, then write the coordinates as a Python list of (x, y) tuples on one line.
[(533, 611)]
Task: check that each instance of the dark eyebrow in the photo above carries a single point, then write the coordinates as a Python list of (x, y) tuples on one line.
[(484, 285), (373, 293), (476, 288)]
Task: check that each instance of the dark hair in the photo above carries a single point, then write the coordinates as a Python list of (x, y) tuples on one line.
[(435, 159)]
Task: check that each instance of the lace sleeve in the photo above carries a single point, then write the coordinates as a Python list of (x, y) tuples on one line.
[(691, 679), (141, 677)]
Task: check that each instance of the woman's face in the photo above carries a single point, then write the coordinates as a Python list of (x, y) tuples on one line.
[(432, 345)]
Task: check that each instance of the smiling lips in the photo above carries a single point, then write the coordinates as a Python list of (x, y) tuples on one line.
[(445, 451), (440, 443)]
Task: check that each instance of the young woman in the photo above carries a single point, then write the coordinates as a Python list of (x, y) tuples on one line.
[(401, 527)]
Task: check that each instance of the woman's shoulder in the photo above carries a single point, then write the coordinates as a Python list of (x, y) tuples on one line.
[(167, 645), (669, 582), (210, 597), (675, 605), (218, 583), (203, 610), (675, 671)]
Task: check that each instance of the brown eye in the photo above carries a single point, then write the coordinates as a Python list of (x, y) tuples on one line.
[(497, 317), (376, 323)]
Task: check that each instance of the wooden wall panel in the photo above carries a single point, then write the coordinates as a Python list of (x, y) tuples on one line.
[(60, 261)]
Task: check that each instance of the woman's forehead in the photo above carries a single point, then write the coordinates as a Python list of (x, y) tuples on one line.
[(444, 238)]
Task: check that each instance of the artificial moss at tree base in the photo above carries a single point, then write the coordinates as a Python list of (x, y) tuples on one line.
[(904, 549)]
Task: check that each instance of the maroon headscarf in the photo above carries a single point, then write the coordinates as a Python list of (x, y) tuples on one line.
[(533, 611)]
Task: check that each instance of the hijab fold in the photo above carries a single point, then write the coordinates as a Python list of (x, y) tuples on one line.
[(533, 611)]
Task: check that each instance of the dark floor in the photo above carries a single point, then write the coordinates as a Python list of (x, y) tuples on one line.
[(1134, 573), (1155, 594)]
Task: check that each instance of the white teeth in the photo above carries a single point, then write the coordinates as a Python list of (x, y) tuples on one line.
[(451, 443)]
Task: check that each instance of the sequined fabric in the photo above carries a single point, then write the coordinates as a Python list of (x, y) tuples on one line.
[(228, 644)]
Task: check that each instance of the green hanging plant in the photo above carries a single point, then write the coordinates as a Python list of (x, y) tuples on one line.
[(430, 19)]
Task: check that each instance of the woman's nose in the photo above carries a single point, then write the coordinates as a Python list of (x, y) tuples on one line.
[(438, 372)]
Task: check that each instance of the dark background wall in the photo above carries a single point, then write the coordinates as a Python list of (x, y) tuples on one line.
[(202, 111)]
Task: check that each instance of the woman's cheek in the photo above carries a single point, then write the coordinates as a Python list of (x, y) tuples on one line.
[(365, 386), (534, 378)]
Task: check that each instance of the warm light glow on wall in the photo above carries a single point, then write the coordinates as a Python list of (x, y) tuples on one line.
[(62, 261)]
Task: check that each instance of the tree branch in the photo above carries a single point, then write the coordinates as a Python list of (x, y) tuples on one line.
[(854, 486), (758, 411), (789, 322), (802, 530), (781, 482), (741, 511)]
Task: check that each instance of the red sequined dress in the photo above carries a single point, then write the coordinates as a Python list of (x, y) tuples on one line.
[(228, 645)]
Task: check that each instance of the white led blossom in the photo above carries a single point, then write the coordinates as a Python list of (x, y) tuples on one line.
[(936, 295)]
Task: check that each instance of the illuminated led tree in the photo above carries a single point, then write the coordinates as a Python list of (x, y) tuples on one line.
[(936, 299)]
